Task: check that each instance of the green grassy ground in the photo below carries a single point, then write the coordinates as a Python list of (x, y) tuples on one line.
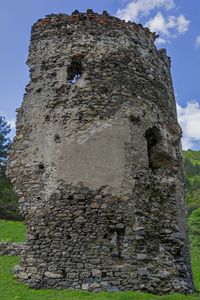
[(11, 289), (12, 231)]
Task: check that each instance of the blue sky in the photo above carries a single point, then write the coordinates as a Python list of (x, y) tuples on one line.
[(177, 22)]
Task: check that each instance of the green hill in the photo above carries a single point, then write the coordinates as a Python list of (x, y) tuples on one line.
[(192, 178)]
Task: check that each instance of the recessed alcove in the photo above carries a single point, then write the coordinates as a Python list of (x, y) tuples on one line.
[(153, 137), (75, 69)]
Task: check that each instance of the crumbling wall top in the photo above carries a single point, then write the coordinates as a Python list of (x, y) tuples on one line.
[(89, 16)]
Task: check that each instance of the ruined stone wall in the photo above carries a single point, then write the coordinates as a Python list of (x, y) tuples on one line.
[(96, 161)]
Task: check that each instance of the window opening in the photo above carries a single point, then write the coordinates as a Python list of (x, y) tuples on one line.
[(75, 69), (153, 137), (117, 239)]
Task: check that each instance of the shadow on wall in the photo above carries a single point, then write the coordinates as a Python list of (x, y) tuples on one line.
[(159, 153)]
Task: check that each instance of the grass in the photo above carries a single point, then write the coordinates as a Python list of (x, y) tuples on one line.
[(12, 231), (11, 289), (196, 269)]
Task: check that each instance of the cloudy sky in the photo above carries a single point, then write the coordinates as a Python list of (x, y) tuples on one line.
[(176, 21)]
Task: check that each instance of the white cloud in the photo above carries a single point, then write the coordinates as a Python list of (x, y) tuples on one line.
[(182, 24), (197, 42), (158, 24), (138, 8), (161, 41), (189, 119), (167, 26)]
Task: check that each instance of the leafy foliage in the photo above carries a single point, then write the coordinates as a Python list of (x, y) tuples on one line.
[(6, 193), (193, 155), (8, 199), (4, 140)]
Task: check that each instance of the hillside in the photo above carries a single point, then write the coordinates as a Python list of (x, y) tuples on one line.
[(192, 178)]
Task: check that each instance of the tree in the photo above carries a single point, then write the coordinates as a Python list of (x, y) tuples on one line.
[(8, 199), (4, 140)]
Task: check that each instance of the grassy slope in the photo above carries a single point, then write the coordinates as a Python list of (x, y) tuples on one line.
[(11, 289)]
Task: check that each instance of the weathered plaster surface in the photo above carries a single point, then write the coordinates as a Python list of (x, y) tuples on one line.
[(96, 162)]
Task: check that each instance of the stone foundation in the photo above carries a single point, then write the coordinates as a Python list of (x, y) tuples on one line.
[(12, 249)]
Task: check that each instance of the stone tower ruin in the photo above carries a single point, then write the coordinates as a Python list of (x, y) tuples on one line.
[(96, 161)]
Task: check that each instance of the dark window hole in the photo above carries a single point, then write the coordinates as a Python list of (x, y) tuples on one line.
[(64, 274), (75, 78), (57, 138), (75, 69), (153, 137), (70, 197), (41, 166), (118, 244), (178, 252), (142, 248), (134, 119)]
